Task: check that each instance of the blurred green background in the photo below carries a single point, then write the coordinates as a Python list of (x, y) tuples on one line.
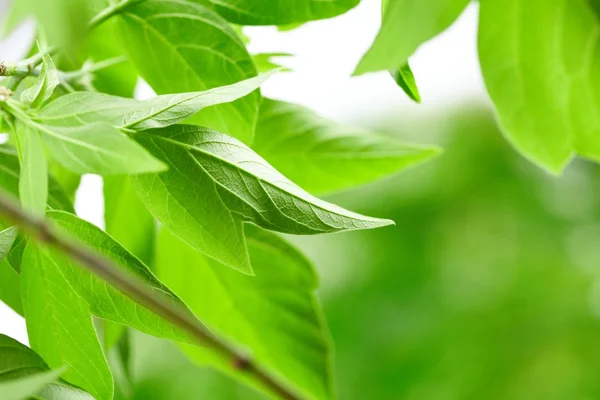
[(487, 288)]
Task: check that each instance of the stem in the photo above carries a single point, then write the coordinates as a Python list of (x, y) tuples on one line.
[(135, 289)]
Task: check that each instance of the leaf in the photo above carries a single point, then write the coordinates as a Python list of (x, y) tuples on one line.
[(274, 314), (33, 176), (14, 13), (105, 301), (215, 183), (89, 107), (264, 61), (322, 156), (21, 367), (406, 80), (45, 84), (406, 25), (59, 325), (126, 218), (97, 148), (9, 181), (183, 47), (280, 12), (542, 75), (10, 293)]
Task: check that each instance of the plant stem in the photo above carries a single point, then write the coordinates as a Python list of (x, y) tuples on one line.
[(132, 287)]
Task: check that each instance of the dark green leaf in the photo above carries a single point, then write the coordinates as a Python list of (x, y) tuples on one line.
[(322, 156), (183, 47), (215, 183), (274, 314)]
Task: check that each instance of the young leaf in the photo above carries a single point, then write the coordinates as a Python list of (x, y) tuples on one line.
[(33, 177), (322, 156), (46, 82), (25, 387), (97, 148), (88, 107), (540, 68), (18, 362), (183, 47), (274, 314), (280, 12), (406, 25), (215, 183), (406, 80), (59, 325), (104, 300)]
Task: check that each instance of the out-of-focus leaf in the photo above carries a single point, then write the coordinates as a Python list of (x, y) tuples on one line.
[(322, 156), (215, 183), (264, 61), (274, 314), (185, 47), (25, 387), (33, 176), (543, 76), (406, 25)]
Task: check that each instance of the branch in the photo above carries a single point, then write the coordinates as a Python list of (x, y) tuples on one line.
[(132, 287)]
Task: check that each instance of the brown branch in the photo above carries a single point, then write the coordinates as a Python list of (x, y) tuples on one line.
[(132, 287)]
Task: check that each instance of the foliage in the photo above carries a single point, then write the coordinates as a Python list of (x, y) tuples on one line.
[(201, 179)]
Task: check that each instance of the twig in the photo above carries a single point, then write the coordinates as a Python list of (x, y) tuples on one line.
[(132, 287)]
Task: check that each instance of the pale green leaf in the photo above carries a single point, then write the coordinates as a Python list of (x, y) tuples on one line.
[(265, 62), (15, 13), (97, 148), (88, 107), (215, 183), (104, 300), (539, 62), (59, 324), (406, 25), (18, 362), (322, 156), (44, 86), (274, 314), (25, 387), (183, 47), (405, 78), (280, 12), (33, 177)]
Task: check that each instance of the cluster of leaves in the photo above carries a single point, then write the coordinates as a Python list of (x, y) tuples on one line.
[(217, 165)]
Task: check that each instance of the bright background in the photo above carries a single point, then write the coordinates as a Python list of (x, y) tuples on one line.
[(487, 288)]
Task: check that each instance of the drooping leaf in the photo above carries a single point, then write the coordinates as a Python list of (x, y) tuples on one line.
[(183, 47), (21, 367), (274, 314), (104, 300), (33, 176), (89, 107), (44, 86), (215, 183), (406, 25), (322, 156), (543, 76), (126, 218), (280, 12), (59, 325), (405, 78), (97, 148)]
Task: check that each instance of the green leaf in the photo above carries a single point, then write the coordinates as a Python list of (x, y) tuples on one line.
[(183, 47), (405, 78), (105, 301), (406, 25), (9, 181), (280, 12), (264, 61), (274, 314), (14, 14), (10, 293), (126, 218), (215, 183), (44, 86), (97, 148), (542, 75), (59, 325), (33, 176), (89, 107), (322, 156), (22, 367)]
